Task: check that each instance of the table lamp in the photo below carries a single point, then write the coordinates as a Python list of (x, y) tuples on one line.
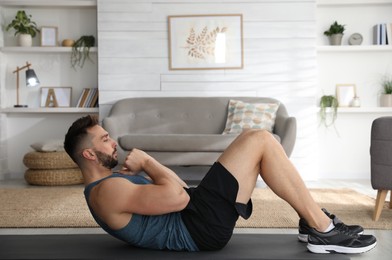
[(31, 80)]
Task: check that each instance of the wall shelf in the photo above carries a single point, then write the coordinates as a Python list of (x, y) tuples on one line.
[(50, 110), (359, 48), (363, 110), (15, 49), (352, 2), (50, 3)]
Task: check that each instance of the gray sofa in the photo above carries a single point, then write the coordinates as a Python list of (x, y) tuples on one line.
[(184, 130)]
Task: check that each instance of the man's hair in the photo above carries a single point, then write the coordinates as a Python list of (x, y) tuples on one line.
[(76, 135)]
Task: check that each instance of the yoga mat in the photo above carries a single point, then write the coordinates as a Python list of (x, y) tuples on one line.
[(102, 246)]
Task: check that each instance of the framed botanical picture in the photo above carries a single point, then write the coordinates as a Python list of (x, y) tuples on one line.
[(200, 42), (49, 36), (345, 94), (56, 96)]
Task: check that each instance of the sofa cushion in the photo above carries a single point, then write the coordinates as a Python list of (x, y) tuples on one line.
[(242, 115), (49, 146), (177, 142)]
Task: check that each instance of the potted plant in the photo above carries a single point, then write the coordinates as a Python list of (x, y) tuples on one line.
[(81, 50), (328, 109), (335, 33), (24, 27), (386, 95)]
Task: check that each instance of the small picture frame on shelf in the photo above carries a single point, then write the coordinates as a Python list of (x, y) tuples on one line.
[(345, 94), (48, 36), (56, 96)]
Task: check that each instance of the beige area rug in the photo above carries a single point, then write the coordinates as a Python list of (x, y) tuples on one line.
[(66, 207)]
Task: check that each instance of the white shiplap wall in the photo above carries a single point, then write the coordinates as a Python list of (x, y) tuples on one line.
[(279, 58)]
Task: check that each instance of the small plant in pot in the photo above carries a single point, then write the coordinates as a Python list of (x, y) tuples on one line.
[(328, 110), (81, 50), (24, 27), (335, 33), (386, 96)]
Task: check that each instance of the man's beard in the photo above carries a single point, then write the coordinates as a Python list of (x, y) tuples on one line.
[(106, 160)]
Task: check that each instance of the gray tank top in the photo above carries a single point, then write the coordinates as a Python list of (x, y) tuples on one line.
[(166, 231)]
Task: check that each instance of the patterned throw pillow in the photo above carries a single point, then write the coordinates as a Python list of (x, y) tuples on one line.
[(243, 115)]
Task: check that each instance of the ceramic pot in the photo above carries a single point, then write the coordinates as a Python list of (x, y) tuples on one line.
[(25, 40), (386, 100), (328, 115), (356, 102), (336, 39), (68, 43)]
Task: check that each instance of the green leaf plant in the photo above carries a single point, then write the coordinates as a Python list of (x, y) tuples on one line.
[(328, 110), (81, 50), (335, 28), (22, 24)]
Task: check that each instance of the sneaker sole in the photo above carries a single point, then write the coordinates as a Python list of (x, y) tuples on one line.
[(327, 249), (304, 237)]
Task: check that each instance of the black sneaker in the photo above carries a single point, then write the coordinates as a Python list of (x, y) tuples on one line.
[(339, 240), (304, 228)]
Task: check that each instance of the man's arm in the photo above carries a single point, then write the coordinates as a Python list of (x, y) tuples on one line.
[(166, 194), (153, 168)]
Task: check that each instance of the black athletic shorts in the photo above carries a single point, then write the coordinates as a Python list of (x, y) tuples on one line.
[(212, 211)]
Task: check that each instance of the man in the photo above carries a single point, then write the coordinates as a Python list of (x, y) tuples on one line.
[(162, 212)]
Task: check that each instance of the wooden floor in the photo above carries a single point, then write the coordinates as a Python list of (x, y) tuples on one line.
[(381, 252)]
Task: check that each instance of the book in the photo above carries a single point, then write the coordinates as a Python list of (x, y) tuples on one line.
[(382, 34), (94, 101), (89, 97), (83, 97), (389, 33)]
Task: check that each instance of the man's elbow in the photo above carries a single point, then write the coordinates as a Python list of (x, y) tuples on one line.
[(182, 200)]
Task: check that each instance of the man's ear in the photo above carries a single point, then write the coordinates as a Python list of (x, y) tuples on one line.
[(88, 154)]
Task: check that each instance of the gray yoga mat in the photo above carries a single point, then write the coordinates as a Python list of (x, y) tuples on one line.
[(102, 246)]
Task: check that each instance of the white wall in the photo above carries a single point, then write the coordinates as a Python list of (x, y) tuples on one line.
[(279, 58), (345, 154)]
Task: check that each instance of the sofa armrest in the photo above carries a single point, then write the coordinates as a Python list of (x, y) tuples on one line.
[(286, 128)]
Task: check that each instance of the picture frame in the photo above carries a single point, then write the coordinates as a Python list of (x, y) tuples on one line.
[(205, 42), (56, 96), (345, 94), (49, 36)]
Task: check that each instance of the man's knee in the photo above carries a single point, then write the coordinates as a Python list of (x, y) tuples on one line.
[(258, 135)]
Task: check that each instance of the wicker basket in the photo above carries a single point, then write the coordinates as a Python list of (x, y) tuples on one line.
[(48, 160), (54, 177)]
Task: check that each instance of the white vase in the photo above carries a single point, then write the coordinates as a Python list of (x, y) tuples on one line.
[(25, 40), (386, 100), (356, 102)]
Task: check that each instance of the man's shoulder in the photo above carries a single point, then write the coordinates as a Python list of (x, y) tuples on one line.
[(115, 182)]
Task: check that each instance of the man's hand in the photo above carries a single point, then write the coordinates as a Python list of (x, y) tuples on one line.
[(138, 160), (134, 162)]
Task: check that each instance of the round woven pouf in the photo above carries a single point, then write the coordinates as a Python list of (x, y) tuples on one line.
[(51, 168), (54, 177), (48, 160)]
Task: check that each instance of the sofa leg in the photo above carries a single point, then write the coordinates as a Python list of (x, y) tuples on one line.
[(390, 201), (381, 195)]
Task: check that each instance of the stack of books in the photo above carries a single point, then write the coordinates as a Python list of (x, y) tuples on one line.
[(382, 34), (88, 98)]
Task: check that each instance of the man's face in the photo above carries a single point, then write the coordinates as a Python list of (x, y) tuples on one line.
[(106, 160), (104, 147)]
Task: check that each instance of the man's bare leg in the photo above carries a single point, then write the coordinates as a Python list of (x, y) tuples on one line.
[(257, 152)]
